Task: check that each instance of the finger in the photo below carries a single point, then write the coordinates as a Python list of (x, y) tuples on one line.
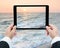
[(15, 34), (47, 32), (52, 26), (10, 27), (48, 29), (14, 29)]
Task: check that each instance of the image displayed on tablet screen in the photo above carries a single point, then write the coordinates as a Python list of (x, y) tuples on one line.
[(31, 17)]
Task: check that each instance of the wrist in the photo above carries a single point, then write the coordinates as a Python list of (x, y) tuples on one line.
[(9, 36), (55, 36), (55, 39)]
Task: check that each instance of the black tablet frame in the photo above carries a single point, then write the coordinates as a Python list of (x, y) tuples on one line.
[(15, 16)]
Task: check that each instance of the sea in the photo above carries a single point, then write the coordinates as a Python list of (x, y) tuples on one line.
[(28, 38)]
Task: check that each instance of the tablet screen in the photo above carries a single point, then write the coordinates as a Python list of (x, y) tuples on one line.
[(31, 17)]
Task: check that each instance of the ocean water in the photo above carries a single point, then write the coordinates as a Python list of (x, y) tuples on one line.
[(31, 20), (28, 38)]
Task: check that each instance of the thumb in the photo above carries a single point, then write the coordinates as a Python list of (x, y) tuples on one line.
[(14, 29), (48, 29)]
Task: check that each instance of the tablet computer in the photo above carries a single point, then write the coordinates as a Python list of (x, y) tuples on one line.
[(31, 17)]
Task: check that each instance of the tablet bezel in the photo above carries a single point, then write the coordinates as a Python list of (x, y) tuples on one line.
[(46, 12)]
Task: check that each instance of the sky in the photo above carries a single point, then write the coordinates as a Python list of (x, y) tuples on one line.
[(6, 6), (31, 9)]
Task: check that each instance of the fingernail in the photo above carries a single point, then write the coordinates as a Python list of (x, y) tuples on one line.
[(14, 26), (46, 26)]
